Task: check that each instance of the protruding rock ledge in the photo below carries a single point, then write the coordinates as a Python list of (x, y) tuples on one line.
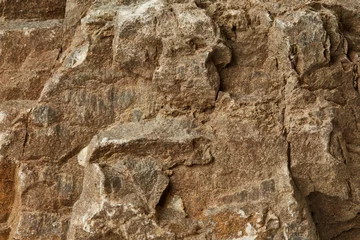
[(169, 141)]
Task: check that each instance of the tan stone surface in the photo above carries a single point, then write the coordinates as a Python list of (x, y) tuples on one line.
[(179, 119)]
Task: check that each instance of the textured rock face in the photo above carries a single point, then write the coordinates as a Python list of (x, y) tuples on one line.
[(177, 119)]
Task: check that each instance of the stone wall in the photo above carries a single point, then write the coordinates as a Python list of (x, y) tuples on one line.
[(179, 119)]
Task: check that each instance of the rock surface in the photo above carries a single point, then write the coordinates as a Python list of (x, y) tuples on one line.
[(179, 119)]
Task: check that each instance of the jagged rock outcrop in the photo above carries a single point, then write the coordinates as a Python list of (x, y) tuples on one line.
[(179, 119)]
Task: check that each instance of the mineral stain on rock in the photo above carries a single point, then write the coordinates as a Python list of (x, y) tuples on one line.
[(179, 119)]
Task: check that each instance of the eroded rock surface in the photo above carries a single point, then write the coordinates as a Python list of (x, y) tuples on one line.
[(179, 119)]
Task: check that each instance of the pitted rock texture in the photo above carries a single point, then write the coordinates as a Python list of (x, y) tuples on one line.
[(179, 119)]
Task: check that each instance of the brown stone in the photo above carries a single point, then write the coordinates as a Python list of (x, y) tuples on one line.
[(179, 119), (32, 9)]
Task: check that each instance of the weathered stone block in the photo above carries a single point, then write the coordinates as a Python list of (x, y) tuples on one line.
[(33, 9), (28, 53)]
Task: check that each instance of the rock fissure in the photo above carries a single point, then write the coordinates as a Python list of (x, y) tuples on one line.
[(26, 135)]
